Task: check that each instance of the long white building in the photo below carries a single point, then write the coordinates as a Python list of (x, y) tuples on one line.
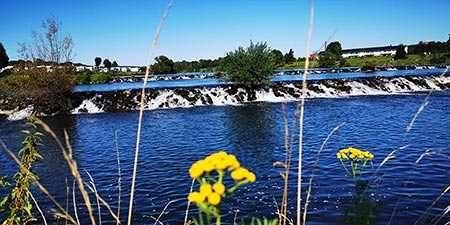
[(370, 51)]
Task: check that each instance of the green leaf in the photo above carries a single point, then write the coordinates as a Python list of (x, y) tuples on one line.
[(26, 131)]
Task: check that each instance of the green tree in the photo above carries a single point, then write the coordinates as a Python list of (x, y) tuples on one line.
[(289, 57), (4, 59), (400, 53), (251, 67), (278, 57), (327, 60), (98, 61), (114, 64), (335, 48), (107, 64), (163, 65)]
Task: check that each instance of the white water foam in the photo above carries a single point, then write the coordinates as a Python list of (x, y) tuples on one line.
[(87, 106), (14, 115), (189, 97)]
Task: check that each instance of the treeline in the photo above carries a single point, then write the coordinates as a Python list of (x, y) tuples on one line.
[(165, 65), (429, 47)]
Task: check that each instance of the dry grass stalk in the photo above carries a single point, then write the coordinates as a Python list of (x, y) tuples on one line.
[(162, 212), (103, 202), (67, 195), (288, 145), (302, 110), (141, 112), (38, 184), (67, 154), (38, 208), (189, 203), (91, 181), (119, 181), (308, 194), (75, 210)]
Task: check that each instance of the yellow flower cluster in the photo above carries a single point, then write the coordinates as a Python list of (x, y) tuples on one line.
[(219, 162), (216, 161), (353, 153), (207, 192)]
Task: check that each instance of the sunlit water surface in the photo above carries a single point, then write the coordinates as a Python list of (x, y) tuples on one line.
[(173, 139)]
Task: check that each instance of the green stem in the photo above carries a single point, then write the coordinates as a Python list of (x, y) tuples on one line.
[(218, 220), (354, 171), (343, 165)]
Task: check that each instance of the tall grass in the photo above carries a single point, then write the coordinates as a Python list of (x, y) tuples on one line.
[(141, 111), (301, 119)]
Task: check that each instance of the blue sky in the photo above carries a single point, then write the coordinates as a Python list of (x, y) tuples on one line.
[(194, 29)]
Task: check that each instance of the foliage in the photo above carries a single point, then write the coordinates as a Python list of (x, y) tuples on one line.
[(101, 78), (251, 67), (47, 82), (278, 57), (289, 57), (48, 90), (327, 60), (400, 53), (437, 59), (369, 66), (19, 199), (114, 64), (163, 65), (97, 61), (49, 45), (429, 47), (335, 48), (257, 221), (107, 64), (4, 59), (210, 174), (83, 77)]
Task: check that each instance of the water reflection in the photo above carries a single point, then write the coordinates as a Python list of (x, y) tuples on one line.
[(250, 126)]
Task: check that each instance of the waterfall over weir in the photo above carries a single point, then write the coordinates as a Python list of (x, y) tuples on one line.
[(126, 100)]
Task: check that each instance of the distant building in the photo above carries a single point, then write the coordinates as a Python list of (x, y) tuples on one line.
[(370, 51)]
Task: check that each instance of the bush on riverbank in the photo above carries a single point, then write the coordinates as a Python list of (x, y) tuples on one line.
[(49, 91), (251, 67)]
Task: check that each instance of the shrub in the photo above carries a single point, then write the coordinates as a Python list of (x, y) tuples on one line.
[(49, 91), (251, 67), (83, 77), (101, 78)]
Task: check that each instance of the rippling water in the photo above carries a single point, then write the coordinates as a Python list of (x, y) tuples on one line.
[(173, 139)]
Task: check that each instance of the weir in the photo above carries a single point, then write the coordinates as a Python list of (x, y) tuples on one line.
[(227, 94)]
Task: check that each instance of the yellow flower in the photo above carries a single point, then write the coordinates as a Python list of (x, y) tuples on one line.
[(231, 161), (251, 177), (239, 174), (206, 189), (338, 155), (214, 198), (352, 156), (208, 167), (195, 172), (221, 164), (222, 155), (219, 188), (196, 197)]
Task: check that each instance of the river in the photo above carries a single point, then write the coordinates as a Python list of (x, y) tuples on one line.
[(173, 139)]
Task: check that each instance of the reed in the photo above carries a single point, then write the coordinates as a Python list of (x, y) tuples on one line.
[(301, 119), (141, 111)]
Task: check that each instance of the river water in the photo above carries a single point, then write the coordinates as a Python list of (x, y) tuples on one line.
[(173, 139)]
